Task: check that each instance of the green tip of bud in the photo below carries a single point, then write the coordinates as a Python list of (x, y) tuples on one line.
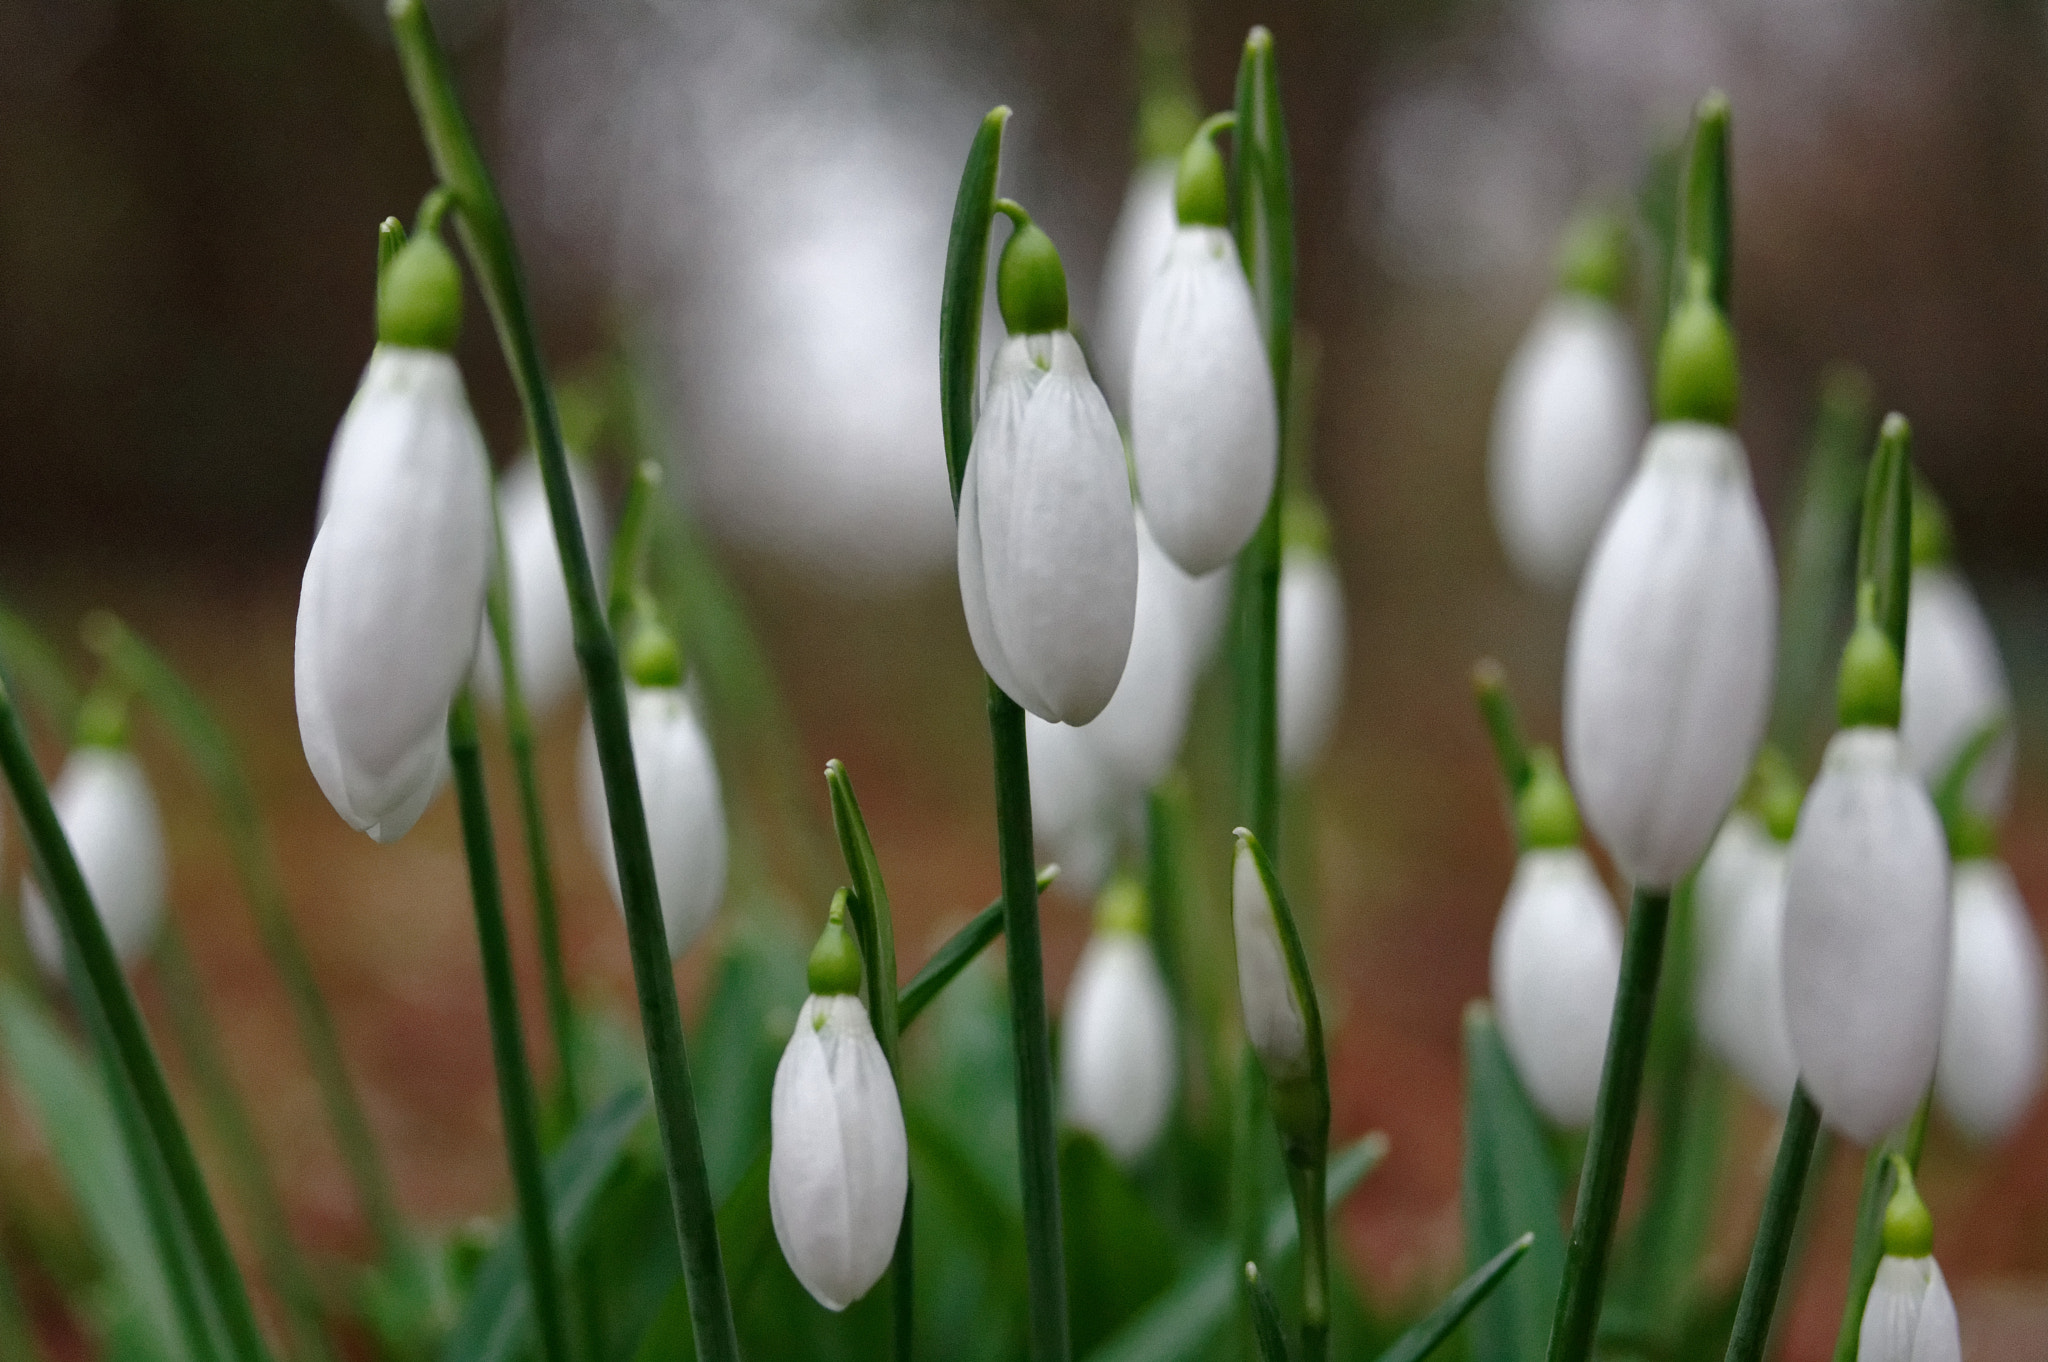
[(419, 295), (103, 718), (835, 960), (1932, 543), (1201, 187), (1908, 1228), (1167, 118), (1304, 525), (1867, 692), (1776, 794), (1546, 815), (652, 657), (1593, 258), (1031, 284), (1696, 377), (1122, 907)]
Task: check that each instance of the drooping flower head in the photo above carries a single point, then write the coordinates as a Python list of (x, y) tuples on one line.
[(1909, 1315), (1988, 1070), (543, 633), (1117, 1061), (1955, 683)]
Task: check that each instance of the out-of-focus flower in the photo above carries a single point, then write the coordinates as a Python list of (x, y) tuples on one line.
[(1116, 1032), (1137, 245), (1955, 685), (542, 630), (109, 816), (1739, 993), (1989, 1066), (1274, 1021), (1312, 641), (1556, 958), (1077, 808)]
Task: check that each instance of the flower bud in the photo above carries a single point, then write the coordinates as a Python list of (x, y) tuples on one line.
[(543, 631), (1867, 936), (1273, 1019), (1867, 688), (1739, 988), (1909, 1315), (1311, 661), (1556, 960), (393, 596), (679, 794), (1116, 1032), (1696, 376), (1668, 666), (109, 816), (1031, 283), (838, 1162), (1137, 244), (419, 297), (1989, 1067), (1954, 685)]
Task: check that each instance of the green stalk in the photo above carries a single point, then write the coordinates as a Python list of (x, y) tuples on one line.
[(1614, 1124), (487, 237), (508, 1047), (106, 989), (1773, 1247), (247, 1164)]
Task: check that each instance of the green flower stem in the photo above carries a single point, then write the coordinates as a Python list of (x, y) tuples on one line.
[(247, 1164), (1879, 1179), (508, 1046), (106, 991), (487, 237), (1773, 1247), (630, 542), (1613, 1130), (210, 751)]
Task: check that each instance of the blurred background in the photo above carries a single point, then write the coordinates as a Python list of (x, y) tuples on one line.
[(749, 198)]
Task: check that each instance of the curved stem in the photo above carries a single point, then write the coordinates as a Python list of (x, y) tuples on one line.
[(1773, 1247)]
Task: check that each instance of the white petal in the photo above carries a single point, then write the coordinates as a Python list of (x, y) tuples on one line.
[(109, 816), (838, 1163), (1273, 1020), (1013, 376), (543, 630), (1739, 993), (1116, 1045), (1991, 1040), (1891, 1315), (1144, 228), (1556, 958), (1938, 1336), (1867, 936), (1138, 734), (1740, 850), (1076, 806), (1668, 668), (1955, 684), (1566, 427), (1311, 662), (1205, 432)]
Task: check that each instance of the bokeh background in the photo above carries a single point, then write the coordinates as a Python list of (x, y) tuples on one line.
[(748, 198)]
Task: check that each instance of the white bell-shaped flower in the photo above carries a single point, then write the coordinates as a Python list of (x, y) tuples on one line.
[(1311, 659), (1556, 960), (1867, 935), (1137, 244), (1077, 808), (838, 1162), (109, 816), (543, 632), (1989, 1066), (1274, 1022), (1740, 850), (1117, 1063), (1566, 428), (679, 791), (1739, 990), (1205, 429), (1668, 667), (1909, 1316), (1955, 685)]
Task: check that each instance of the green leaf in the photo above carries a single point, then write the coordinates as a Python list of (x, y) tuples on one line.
[(966, 282), (1510, 1187), (1266, 1325), (1884, 558), (1118, 1254), (1706, 222), (1432, 1329), (746, 1023), (959, 951)]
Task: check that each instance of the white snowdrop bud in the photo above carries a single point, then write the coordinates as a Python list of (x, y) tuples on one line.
[(1909, 1315), (1556, 959), (1566, 427), (1719, 887), (1273, 1019), (1867, 933), (1739, 990), (1076, 807), (109, 816), (543, 632), (1137, 244), (1989, 1066), (1955, 684), (679, 792), (1311, 661), (838, 1162), (1668, 667), (1116, 1033)]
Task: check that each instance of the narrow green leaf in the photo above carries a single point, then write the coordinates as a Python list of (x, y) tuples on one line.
[(1423, 1337), (958, 952), (1119, 1256), (1706, 221), (1884, 560), (1266, 1324), (966, 281), (1497, 710), (1510, 1187)]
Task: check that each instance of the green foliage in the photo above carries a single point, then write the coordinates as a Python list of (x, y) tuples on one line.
[(1510, 1188)]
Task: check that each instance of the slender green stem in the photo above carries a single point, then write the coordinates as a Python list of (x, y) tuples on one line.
[(1879, 1180), (1614, 1124), (1305, 1182), (1424, 1336), (630, 542), (106, 989), (487, 236), (508, 1046), (1773, 1247)]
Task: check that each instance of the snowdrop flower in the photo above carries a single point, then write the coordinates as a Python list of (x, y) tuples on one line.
[(542, 631), (1556, 956), (1311, 641), (1668, 667), (1048, 552), (1137, 244), (394, 588), (1739, 996), (1205, 429), (1570, 416), (1909, 1316), (109, 816), (1116, 1032), (1955, 679), (1989, 1064), (1741, 850), (838, 1162), (1274, 1020), (679, 792), (1077, 808)]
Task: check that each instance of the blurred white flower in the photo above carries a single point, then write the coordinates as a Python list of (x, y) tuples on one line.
[(1077, 807), (542, 630), (1910, 1316), (1739, 989), (1274, 1022), (1740, 850), (1311, 662), (1955, 684), (1137, 244), (1989, 1066), (1556, 959), (109, 816), (1116, 1043)]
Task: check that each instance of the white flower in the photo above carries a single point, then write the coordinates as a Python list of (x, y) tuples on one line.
[(1566, 427), (1866, 936), (1740, 850), (680, 796), (1144, 229), (1668, 668), (109, 816), (1955, 684), (394, 590), (1556, 959), (1048, 552), (1273, 1018), (1910, 1316), (1077, 808), (1205, 431), (1991, 1041), (1311, 662), (838, 1163), (1739, 990), (1116, 1044), (542, 631)]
